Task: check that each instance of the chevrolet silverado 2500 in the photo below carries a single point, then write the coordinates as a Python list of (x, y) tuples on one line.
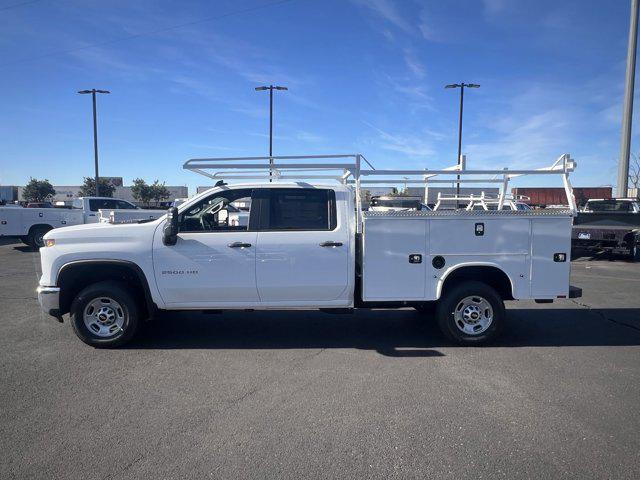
[(308, 246)]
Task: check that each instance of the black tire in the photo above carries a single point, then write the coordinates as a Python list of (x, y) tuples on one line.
[(122, 304), (452, 302), (35, 239)]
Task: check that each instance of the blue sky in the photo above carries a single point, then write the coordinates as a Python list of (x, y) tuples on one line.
[(364, 76)]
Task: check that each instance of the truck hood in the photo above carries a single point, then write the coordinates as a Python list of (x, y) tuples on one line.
[(96, 232)]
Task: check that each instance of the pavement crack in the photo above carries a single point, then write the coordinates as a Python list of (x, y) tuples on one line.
[(245, 395), (602, 315), (124, 468)]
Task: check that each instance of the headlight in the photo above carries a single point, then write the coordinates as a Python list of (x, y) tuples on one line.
[(49, 242)]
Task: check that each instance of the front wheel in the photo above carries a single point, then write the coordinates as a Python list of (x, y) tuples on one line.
[(36, 236), (471, 313), (104, 315)]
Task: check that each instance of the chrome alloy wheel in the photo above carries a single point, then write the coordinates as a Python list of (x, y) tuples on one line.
[(104, 317), (473, 315)]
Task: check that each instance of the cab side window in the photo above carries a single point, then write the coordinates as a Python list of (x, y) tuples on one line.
[(300, 209), (226, 210)]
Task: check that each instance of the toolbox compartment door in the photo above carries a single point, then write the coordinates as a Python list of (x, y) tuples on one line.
[(394, 255), (550, 237)]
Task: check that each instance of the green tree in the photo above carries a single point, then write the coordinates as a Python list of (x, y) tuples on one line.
[(88, 188), (141, 191), (159, 191), (38, 190)]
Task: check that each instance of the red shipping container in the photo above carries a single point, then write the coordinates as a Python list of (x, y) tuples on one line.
[(542, 196)]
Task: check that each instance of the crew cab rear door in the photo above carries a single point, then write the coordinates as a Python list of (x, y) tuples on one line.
[(303, 245)]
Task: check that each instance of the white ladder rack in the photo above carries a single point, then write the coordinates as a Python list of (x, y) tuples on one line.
[(347, 169)]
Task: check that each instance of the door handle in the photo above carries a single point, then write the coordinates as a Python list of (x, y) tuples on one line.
[(239, 245), (331, 244), (92, 214)]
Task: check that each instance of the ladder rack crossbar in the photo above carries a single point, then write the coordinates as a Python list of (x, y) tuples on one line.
[(278, 168)]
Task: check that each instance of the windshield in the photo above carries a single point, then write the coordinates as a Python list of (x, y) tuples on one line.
[(608, 206)]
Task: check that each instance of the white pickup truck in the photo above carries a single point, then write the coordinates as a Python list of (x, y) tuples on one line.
[(308, 246), (31, 224)]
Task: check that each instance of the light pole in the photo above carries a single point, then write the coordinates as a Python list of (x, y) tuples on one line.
[(93, 92), (271, 88), (627, 113), (461, 86)]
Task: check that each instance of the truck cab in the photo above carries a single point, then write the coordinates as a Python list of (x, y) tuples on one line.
[(91, 206)]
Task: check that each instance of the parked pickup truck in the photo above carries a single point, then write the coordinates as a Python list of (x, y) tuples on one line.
[(31, 224), (609, 225), (306, 246)]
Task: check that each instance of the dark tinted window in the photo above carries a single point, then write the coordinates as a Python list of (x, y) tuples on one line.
[(96, 204), (609, 206), (301, 209), (397, 202)]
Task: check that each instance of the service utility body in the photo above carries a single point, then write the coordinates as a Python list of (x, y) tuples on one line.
[(307, 244)]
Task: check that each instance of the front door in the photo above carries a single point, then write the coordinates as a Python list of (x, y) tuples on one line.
[(212, 265), (302, 258)]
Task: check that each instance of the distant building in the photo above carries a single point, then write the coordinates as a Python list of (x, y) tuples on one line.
[(8, 193)]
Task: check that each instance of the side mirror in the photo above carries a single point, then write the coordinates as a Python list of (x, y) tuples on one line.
[(170, 231)]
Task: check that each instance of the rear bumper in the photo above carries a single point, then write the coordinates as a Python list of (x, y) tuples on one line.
[(575, 292), (49, 300)]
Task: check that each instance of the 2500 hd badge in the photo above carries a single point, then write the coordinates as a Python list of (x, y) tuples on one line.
[(179, 272)]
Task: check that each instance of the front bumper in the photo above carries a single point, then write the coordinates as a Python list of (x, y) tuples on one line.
[(49, 299)]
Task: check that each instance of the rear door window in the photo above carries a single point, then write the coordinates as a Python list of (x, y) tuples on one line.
[(96, 204), (300, 209)]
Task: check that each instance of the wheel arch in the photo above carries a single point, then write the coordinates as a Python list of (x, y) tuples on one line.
[(485, 272), (76, 275), (38, 225)]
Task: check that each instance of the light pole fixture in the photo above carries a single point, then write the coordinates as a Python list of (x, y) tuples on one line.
[(461, 86), (271, 88), (93, 92)]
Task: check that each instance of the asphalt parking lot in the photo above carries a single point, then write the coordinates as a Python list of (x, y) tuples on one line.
[(308, 395)]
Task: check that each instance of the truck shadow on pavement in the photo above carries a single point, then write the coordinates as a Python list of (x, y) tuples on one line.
[(393, 333)]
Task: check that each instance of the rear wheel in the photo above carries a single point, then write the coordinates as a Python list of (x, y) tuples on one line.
[(104, 315), (471, 313), (36, 236)]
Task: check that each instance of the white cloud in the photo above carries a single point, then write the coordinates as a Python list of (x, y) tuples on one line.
[(387, 10), (494, 7), (407, 144), (309, 137), (426, 27), (416, 67)]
